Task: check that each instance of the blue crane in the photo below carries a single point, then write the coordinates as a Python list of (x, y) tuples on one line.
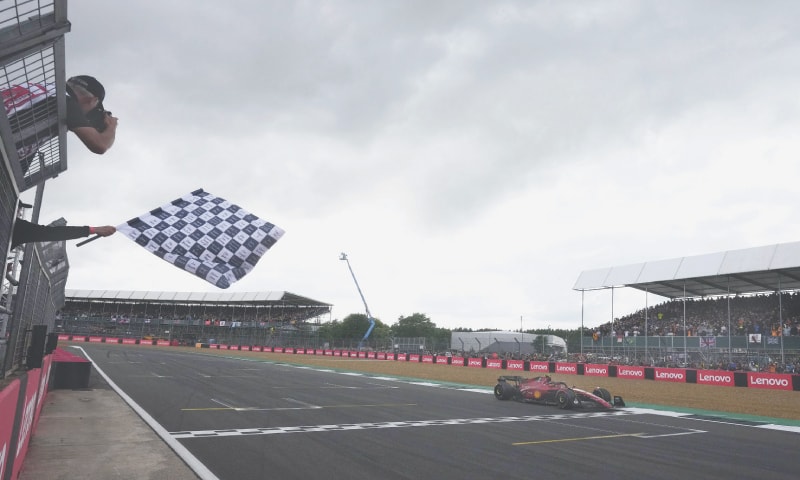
[(369, 315)]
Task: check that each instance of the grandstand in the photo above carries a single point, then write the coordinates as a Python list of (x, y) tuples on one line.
[(731, 306), (244, 318)]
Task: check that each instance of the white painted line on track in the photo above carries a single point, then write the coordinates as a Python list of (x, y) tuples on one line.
[(690, 432), (425, 384), (721, 419), (196, 465), (382, 425), (221, 403), (489, 390), (785, 428), (307, 405), (381, 385), (335, 385)]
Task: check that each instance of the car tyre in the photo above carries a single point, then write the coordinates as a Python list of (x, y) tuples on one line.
[(503, 391), (602, 393), (565, 399)]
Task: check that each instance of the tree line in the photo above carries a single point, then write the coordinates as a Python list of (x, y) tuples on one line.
[(354, 326)]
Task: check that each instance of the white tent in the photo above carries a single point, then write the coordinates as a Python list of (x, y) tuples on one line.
[(480, 341)]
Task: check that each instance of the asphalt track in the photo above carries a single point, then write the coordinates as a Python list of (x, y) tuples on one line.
[(248, 419)]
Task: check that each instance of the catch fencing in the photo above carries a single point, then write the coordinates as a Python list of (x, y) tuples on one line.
[(33, 133)]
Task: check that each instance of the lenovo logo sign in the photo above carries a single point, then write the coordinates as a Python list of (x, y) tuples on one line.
[(670, 375), (715, 378), (630, 372), (774, 381), (539, 367), (595, 370), (566, 368), (475, 362)]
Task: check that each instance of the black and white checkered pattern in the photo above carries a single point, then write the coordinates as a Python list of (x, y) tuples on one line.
[(205, 235)]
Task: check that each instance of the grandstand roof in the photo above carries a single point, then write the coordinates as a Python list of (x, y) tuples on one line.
[(751, 270), (281, 298)]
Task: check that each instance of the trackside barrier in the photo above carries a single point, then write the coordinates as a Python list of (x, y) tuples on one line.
[(493, 363), (763, 380), (458, 361), (71, 371), (21, 404), (9, 418)]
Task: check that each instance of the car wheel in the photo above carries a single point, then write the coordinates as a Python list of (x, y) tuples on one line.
[(503, 391), (602, 393), (565, 399)]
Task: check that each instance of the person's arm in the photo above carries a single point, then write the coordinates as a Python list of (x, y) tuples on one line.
[(26, 232), (98, 142)]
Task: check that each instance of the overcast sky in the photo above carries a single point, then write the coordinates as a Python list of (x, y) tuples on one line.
[(471, 158)]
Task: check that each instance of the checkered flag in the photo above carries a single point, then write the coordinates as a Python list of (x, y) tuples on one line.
[(205, 235)]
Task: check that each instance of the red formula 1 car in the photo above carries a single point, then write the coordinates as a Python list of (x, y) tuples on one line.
[(547, 392)]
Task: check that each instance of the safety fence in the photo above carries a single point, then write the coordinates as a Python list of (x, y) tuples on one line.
[(33, 132), (32, 140), (753, 351)]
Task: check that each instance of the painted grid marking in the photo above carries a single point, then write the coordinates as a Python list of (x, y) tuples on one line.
[(465, 388), (379, 425)]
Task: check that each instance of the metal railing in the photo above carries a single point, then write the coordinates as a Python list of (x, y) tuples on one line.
[(32, 145)]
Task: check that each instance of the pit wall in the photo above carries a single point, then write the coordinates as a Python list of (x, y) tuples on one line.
[(21, 402)]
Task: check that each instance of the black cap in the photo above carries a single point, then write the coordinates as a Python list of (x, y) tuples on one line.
[(91, 85)]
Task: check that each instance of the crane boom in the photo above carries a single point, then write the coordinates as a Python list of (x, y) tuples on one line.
[(366, 307)]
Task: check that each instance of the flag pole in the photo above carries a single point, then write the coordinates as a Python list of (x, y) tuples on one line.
[(92, 239)]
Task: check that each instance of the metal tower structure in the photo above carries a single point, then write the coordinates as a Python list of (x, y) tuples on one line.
[(369, 315)]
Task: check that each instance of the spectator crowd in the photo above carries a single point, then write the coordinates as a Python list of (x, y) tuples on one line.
[(760, 314)]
